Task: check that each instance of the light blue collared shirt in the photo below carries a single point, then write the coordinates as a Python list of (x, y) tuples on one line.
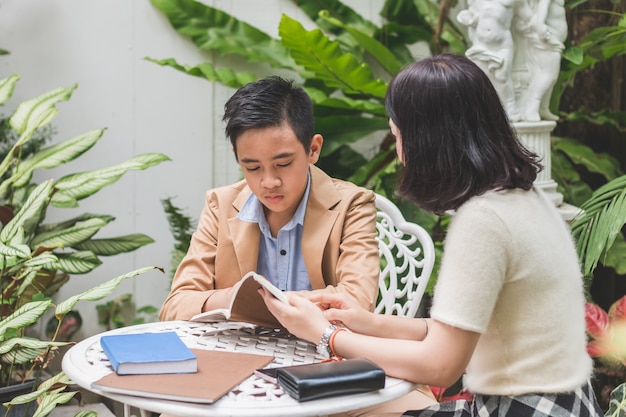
[(280, 258)]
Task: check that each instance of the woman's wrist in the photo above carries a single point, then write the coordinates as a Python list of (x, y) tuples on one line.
[(331, 342)]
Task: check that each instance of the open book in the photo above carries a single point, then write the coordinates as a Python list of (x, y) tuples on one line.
[(247, 305)]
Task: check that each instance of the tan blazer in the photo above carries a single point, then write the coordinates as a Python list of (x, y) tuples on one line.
[(338, 243)]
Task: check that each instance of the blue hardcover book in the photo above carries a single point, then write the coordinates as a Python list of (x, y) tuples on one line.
[(149, 353)]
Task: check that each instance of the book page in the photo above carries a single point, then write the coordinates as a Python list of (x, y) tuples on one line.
[(270, 287), (247, 304)]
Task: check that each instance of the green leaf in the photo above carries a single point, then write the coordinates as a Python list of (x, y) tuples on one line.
[(604, 117), (81, 185), (49, 227), (317, 53), (603, 217), (7, 86), (86, 413), (617, 404), (41, 260), (98, 292), (574, 54), (77, 262), (376, 49), (33, 206), (347, 130), (579, 153), (17, 251), (313, 9), (70, 236), (207, 71), (24, 316), (55, 156), (116, 245), (28, 342), (211, 29), (615, 255), (321, 99), (49, 401), (36, 112), (59, 379)]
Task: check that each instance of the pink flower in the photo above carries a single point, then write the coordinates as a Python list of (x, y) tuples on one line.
[(596, 319), (618, 310), (595, 348)]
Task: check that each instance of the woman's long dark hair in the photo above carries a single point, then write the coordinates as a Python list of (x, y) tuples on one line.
[(457, 141)]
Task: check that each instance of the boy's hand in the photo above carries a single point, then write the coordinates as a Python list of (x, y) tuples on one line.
[(301, 317)]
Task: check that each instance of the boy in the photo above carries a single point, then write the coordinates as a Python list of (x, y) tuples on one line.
[(286, 220)]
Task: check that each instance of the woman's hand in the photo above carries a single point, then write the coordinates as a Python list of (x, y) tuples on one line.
[(339, 309), (301, 317)]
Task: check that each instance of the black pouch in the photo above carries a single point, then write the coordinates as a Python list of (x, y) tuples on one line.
[(328, 379)]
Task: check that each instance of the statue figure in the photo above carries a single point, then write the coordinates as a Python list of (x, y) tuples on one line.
[(543, 57), (518, 43)]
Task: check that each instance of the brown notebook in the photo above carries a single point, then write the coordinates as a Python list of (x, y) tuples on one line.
[(218, 373), (247, 305)]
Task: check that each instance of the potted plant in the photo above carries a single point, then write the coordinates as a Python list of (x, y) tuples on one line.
[(36, 257)]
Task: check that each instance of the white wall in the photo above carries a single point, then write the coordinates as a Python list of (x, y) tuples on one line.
[(101, 45)]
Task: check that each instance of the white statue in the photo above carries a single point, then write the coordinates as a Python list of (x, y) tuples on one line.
[(518, 45), (543, 58)]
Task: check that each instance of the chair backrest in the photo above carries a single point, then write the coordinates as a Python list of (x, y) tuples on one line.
[(407, 257)]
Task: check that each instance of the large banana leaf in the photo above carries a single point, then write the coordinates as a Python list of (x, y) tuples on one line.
[(352, 106), (211, 29), (114, 246), (602, 218), (347, 130), (206, 70), (335, 8), (74, 187), (54, 156), (376, 49), (318, 53), (579, 153)]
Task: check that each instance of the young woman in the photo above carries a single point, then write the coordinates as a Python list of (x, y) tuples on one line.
[(508, 308)]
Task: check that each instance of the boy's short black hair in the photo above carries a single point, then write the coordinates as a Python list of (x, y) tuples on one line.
[(268, 102)]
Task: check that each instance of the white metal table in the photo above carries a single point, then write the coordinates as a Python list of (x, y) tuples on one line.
[(85, 363)]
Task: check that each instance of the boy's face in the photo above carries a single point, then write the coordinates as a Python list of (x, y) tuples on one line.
[(275, 166)]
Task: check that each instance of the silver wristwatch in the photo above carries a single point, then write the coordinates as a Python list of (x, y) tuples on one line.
[(322, 347)]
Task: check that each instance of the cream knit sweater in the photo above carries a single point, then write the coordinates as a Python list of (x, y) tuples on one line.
[(510, 272)]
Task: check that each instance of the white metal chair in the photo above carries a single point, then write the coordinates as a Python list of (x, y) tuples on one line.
[(407, 257)]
